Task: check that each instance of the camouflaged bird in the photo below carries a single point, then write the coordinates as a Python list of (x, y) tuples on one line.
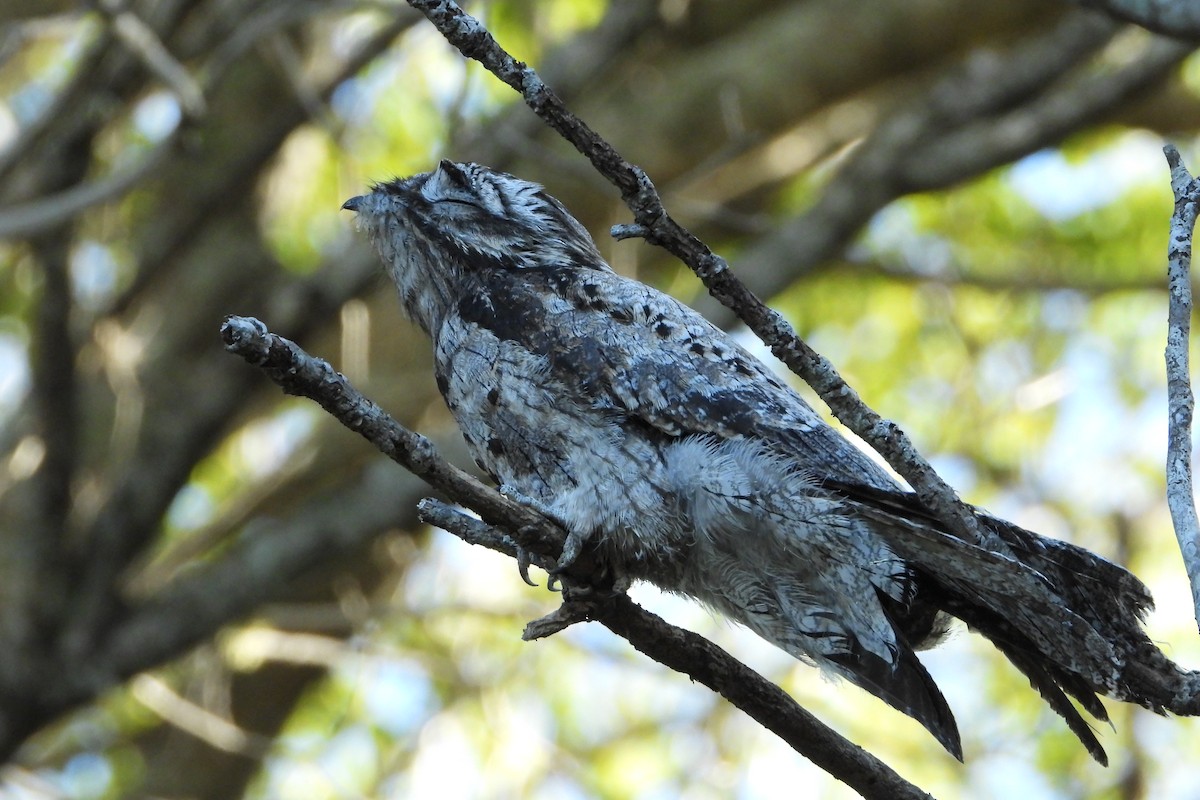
[(654, 438)]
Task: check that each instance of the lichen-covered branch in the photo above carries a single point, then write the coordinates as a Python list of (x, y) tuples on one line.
[(1180, 400)]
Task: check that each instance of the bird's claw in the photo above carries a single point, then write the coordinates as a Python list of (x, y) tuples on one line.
[(523, 563), (572, 547)]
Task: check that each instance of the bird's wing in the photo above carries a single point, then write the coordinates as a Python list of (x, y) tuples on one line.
[(617, 344)]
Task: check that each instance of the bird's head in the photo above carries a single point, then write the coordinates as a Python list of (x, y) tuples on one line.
[(435, 230)]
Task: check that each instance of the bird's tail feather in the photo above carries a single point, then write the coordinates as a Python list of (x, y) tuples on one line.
[(1068, 619), (1052, 683), (906, 686)]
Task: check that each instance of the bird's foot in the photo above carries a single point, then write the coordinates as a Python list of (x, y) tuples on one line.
[(517, 496)]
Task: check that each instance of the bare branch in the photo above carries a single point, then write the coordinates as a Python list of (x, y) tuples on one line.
[(434, 512), (216, 731), (1181, 402), (299, 373), (1064, 108), (654, 224), (704, 662)]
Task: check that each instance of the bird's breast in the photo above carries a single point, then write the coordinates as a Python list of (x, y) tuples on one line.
[(527, 428)]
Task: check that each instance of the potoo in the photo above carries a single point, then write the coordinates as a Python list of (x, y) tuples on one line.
[(659, 441)]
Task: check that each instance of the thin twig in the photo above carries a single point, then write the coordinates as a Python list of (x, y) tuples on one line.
[(160, 698), (1180, 400)]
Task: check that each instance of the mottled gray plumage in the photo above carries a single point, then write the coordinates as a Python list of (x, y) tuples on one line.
[(685, 462)]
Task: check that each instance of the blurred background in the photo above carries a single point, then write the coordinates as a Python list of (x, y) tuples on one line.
[(208, 590)]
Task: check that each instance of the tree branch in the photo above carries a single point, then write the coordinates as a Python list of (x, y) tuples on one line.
[(299, 373), (1180, 400)]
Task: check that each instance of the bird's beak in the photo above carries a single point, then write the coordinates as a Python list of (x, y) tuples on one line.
[(353, 203)]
